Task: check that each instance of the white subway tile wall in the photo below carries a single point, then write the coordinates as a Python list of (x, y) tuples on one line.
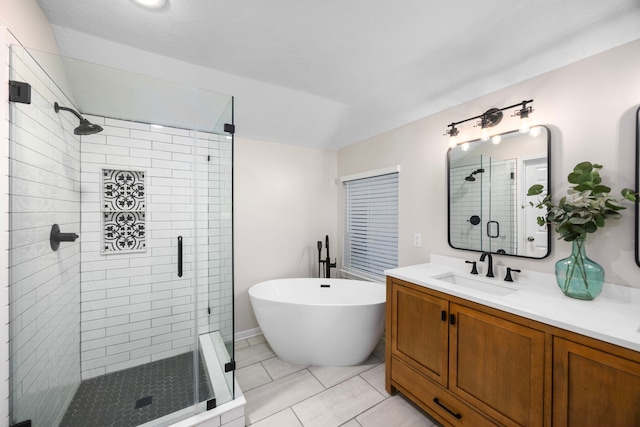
[(470, 198), (135, 308), (45, 290)]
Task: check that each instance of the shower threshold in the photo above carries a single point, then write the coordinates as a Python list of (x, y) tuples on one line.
[(214, 355)]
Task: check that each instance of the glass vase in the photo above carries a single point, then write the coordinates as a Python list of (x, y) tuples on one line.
[(577, 275)]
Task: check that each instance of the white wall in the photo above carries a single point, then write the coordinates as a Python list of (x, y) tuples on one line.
[(589, 106), (284, 202), (25, 20)]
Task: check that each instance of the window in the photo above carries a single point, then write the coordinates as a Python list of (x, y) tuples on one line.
[(371, 223)]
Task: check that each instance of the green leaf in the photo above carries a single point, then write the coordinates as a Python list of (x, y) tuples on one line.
[(590, 227), (535, 190), (583, 186), (612, 204), (573, 178), (599, 189), (585, 178), (579, 220), (584, 167), (599, 219), (628, 194)]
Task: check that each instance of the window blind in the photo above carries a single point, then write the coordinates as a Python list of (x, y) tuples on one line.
[(371, 224)]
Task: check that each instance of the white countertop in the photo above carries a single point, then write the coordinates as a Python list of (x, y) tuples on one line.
[(613, 317)]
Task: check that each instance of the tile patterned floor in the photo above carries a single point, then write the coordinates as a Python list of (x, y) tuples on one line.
[(282, 394), (136, 395)]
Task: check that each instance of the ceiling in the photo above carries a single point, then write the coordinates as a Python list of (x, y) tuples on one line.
[(380, 63)]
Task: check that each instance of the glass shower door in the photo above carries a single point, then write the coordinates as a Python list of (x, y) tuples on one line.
[(44, 284), (498, 189), (216, 333)]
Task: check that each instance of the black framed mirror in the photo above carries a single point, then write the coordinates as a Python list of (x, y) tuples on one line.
[(487, 182), (637, 189)]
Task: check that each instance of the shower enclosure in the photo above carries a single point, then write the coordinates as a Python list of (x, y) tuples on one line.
[(483, 194), (128, 318)]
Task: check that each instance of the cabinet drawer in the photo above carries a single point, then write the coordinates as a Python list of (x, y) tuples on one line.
[(433, 398)]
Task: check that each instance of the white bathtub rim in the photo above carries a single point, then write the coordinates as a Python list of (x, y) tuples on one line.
[(264, 291)]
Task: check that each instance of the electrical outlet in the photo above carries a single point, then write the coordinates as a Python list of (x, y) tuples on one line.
[(417, 240)]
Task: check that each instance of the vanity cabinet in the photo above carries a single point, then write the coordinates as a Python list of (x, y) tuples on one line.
[(594, 387), (467, 364), (471, 364), (420, 332)]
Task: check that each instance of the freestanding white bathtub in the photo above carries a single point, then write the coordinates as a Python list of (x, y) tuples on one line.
[(322, 322)]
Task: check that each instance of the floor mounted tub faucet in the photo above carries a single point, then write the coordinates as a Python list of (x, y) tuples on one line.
[(328, 265)]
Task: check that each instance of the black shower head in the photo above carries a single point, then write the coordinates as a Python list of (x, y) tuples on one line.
[(471, 176), (85, 127)]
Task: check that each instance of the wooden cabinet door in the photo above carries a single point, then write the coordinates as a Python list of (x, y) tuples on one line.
[(419, 331), (498, 366), (594, 388)]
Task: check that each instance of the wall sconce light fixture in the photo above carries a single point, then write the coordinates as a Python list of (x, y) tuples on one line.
[(453, 133), (490, 118), (524, 116)]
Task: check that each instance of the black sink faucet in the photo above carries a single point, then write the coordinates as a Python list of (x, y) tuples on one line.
[(489, 264)]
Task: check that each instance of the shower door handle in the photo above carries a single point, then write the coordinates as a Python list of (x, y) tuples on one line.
[(179, 256), (497, 229)]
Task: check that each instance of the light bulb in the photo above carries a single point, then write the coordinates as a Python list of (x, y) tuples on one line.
[(453, 142), (151, 4), (484, 135), (535, 131), (496, 140), (465, 146), (524, 125)]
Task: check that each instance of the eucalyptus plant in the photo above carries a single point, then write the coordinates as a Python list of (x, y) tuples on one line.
[(585, 207)]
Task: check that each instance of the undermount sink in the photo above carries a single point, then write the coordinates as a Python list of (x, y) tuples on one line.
[(478, 285)]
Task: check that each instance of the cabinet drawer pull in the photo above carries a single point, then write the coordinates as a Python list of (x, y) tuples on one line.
[(443, 316), (452, 319), (437, 402)]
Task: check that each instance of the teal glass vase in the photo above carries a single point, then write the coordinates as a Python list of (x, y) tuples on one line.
[(577, 275)]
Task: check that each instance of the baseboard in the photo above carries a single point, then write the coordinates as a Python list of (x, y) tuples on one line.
[(243, 335)]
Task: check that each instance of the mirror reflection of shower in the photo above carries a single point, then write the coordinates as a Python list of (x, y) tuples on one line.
[(471, 177), (85, 127)]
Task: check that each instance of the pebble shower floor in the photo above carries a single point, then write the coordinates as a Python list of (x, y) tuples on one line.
[(136, 395)]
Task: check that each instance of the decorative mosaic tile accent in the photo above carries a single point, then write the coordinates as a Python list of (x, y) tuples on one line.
[(123, 210), (123, 190), (124, 231)]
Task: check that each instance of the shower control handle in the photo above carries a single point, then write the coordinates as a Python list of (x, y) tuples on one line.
[(179, 256), (55, 237)]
